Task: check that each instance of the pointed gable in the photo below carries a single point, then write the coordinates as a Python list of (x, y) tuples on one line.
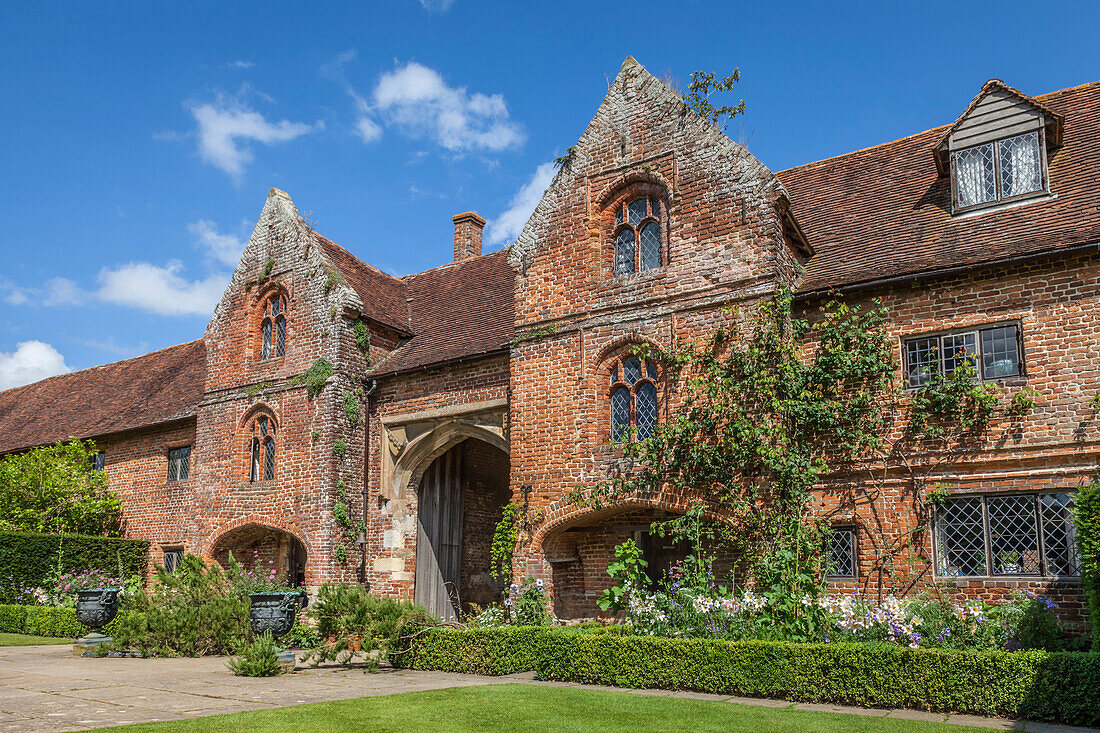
[(998, 111)]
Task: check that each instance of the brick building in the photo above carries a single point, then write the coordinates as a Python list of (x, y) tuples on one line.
[(503, 376)]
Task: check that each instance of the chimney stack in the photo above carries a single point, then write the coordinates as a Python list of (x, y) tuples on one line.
[(468, 227)]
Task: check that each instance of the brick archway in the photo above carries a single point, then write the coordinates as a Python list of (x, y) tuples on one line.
[(420, 453), (267, 547)]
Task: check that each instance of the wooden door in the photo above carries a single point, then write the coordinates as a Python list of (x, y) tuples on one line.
[(439, 536)]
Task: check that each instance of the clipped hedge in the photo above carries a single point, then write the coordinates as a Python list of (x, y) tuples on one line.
[(46, 621), (29, 559), (1058, 687), (1087, 516)]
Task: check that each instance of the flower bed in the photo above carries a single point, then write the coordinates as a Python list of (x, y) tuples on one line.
[(1057, 687)]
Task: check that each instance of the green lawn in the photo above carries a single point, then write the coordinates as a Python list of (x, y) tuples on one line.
[(24, 640), (515, 707)]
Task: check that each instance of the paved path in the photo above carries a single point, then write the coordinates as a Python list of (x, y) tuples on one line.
[(45, 688)]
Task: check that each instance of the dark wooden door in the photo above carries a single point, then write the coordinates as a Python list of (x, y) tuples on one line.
[(439, 536)]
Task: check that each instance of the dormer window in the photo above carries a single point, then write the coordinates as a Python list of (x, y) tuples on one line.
[(999, 170)]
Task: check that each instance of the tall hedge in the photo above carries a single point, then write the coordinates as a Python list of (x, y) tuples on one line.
[(48, 621), (1035, 685), (30, 558), (1087, 516)]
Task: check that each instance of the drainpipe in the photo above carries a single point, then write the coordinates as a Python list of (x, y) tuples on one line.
[(361, 540)]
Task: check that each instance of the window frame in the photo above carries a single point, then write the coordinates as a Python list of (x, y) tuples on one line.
[(177, 449), (257, 442), (175, 550), (853, 530), (1036, 498), (269, 331), (977, 331), (1044, 187), (616, 367), (98, 461), (658, 218)]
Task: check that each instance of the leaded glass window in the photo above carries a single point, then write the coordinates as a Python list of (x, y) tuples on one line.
[(273, 328), (179, 463), (840, 553), (633, 397), (97, 460), (262, 450), (994, 352), (1018, 534), (999, 170), (172, 559), (638, 236)]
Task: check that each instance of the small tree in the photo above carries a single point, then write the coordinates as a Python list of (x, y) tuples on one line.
[(56, 488)]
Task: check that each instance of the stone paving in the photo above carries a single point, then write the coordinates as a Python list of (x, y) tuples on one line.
[(46, 688)]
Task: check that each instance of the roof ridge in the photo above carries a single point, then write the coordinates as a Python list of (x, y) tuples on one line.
[(457, 263), (102, 366), (1042, 96)]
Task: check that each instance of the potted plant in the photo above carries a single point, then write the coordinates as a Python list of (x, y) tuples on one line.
[(275, 612), (95, 608)]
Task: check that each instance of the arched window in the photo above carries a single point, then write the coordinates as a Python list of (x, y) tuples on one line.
[(633, 397), (262, 450), (273, 327), (638, 236)]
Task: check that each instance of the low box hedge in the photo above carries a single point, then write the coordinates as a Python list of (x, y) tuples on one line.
[(45, 621), (1059, 687)]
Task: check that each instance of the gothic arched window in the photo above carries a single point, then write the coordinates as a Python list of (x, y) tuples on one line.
[(262, 450), (633, 396), (638, 236), (273, 327)]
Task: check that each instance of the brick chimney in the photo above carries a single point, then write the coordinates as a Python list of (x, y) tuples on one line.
[(468, 226)]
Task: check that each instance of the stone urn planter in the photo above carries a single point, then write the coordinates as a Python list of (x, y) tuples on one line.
[(95, 608), (275, 613)]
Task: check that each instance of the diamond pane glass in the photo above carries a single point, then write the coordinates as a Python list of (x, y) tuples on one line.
[(98, 460), (615, 374), (624, 252), (619, 216), (265, 351), (1000, 355), (840, 556), (650, 369), (922, 359), (961, 538), (645, 409), (263, 425), (172, 560), (1059, 534), (269, 459), (974, 177), (1013, 538), (179, 463), (620, 412), (1020, 171), (632, 369), (254, 464), (280, 336), (275, 303), (654, 209), (958, 349), (635, 211), (651, 246)]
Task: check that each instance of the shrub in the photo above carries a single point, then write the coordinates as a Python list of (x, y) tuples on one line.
[(48, 621), (1087, 517), (352, 624), (529, 604), (1058, 687), (30, 559), (259, 658), (192, 612)]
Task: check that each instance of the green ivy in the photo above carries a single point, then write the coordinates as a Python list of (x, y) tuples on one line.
[(315, 377), (340, 447), (505, 536), (340, 513), (341, 554), (351, 407), (1086, 512), (332, 279), (362, 339)]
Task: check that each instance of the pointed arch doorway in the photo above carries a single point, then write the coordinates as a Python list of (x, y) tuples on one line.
[(459, 501)]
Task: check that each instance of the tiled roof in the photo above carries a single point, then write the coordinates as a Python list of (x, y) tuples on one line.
[(146, 390), (884, 212), (458, 310), (384, 296)]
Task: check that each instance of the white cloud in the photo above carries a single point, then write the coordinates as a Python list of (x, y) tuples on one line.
[(225, 248), (436, 6), (31, 361), (241, 64), (62, 291), (161, 290), (418, 102), (367, 129), (226, 125), (509, 224)]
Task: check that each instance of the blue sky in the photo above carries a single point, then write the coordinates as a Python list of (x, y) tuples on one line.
[(140, 143)]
